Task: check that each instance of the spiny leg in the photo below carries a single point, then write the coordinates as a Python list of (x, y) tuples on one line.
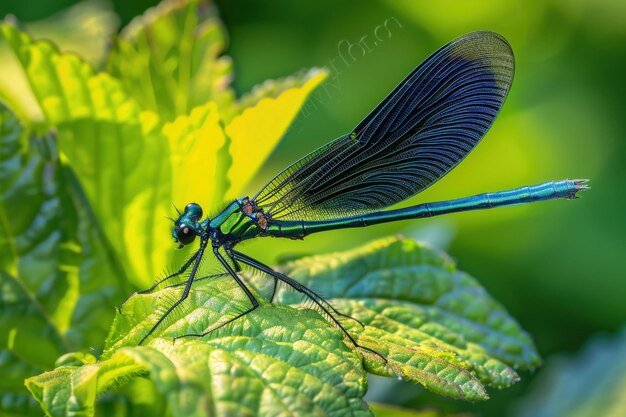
[(198, 258), (245, 289), (229, 251), (301, 288), (317, 299), (161, 281)]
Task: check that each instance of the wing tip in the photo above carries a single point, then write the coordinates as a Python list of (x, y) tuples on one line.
[(483, 35), (482, 41), (491, 48)]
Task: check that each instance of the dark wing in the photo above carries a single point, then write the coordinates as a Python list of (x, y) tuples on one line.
[(416, 135)]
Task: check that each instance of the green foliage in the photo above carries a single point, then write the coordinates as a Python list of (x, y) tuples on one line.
[(81, 217), (130, 160), (58, 278), (170, 59), (111, 146), (84, 28)]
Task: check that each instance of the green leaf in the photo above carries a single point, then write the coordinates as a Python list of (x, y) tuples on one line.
[(590, 383), (131, 165), (83, 28), (58, 280), (169, 59), (65, 85), (276, 361), (257, 130), (435, 324), (197, 144), (115, 150)]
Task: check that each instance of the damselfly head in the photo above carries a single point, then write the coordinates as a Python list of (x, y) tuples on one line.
[(186, 228)]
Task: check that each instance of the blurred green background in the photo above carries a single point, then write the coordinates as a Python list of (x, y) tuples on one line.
[(558, 267)]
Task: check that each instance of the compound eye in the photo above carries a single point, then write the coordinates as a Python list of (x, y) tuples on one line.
[(184, 234), (194, 211)]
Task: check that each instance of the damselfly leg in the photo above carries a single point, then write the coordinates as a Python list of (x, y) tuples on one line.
[(243, 286), (319, 301), (194, 270)]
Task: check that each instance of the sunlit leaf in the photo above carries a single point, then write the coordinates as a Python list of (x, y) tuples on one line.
[(114, 148), (83, 28), (257, 130), (131, 168), (169, 59), (58, 281), (436, 324), (277, 361), (197, 163)]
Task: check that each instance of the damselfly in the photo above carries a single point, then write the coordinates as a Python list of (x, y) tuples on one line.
[(416, 135)]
